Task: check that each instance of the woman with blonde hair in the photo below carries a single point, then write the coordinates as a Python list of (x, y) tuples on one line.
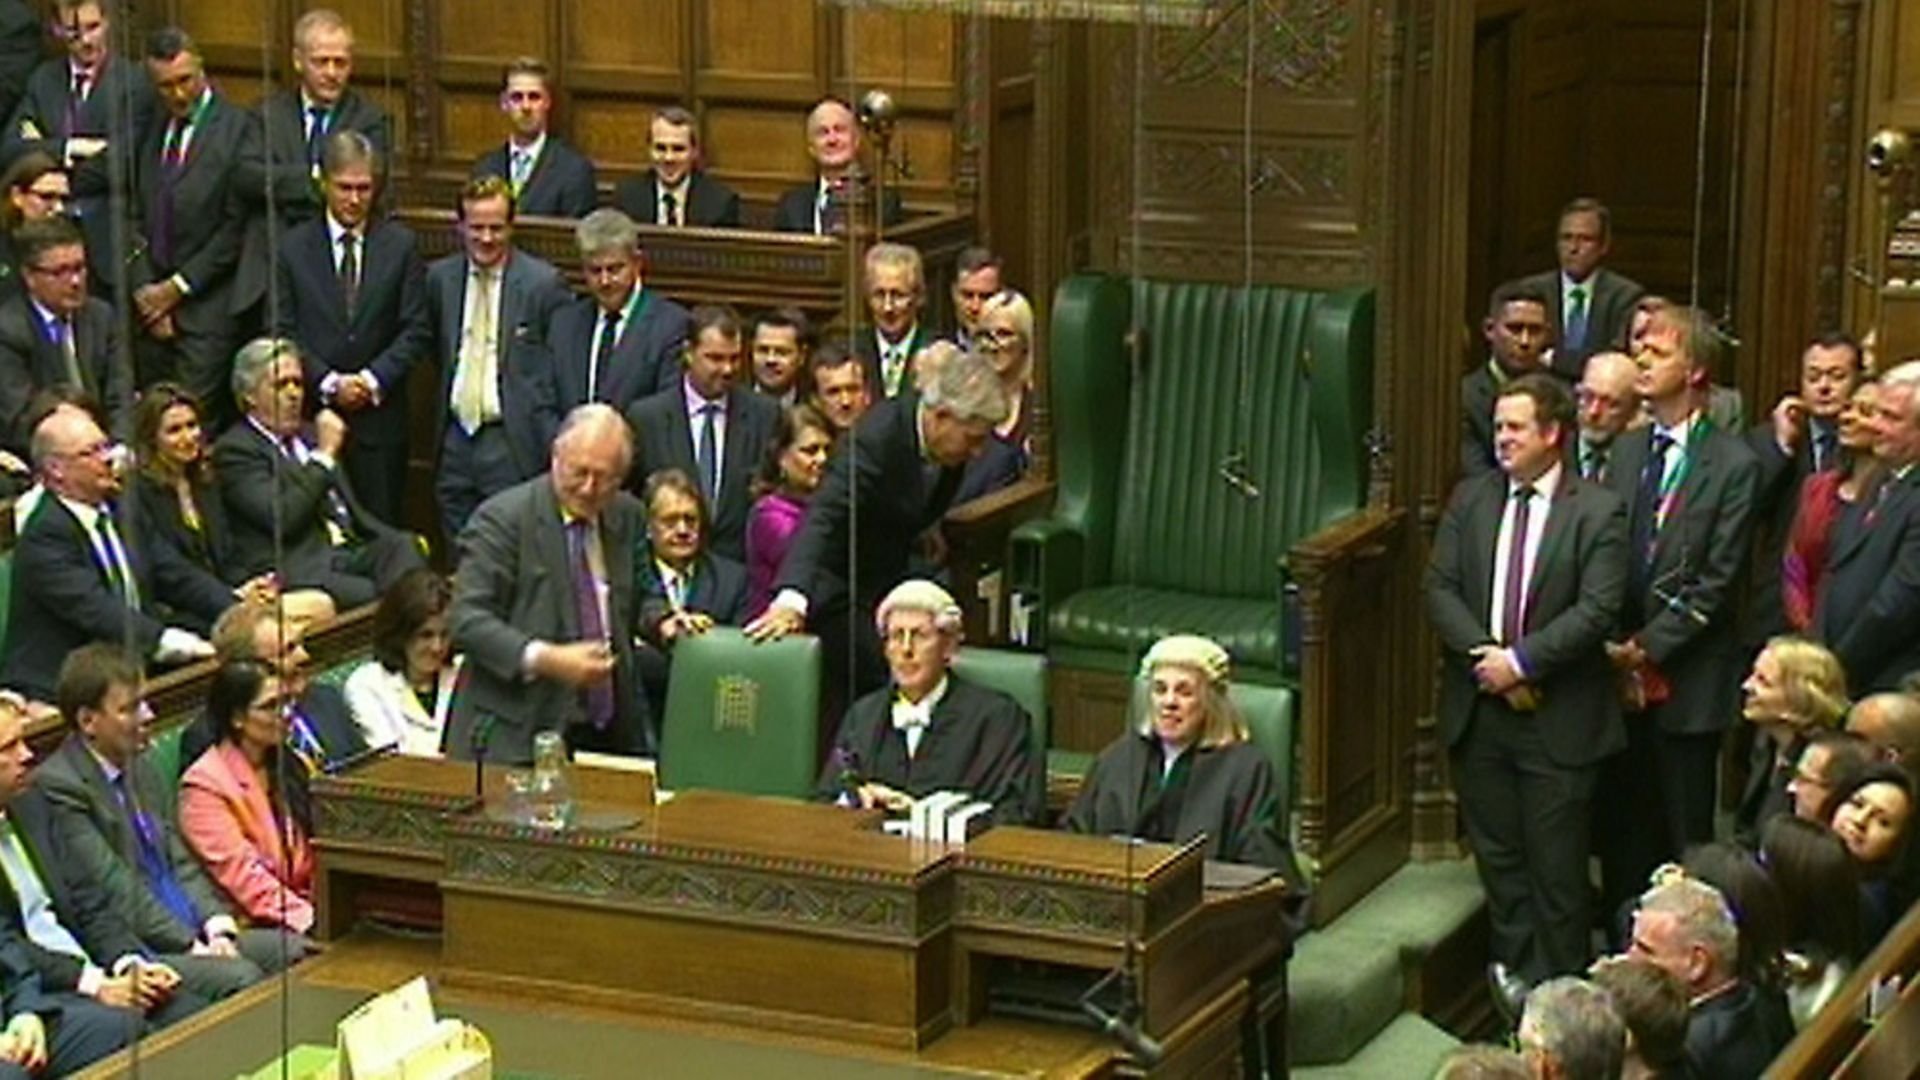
[(1796, 687), (1005, 336), (1187, 767)]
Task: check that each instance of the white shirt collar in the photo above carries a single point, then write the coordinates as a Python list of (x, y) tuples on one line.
[(335, 230), (88, 514), (908, 714), (113, 771), (1544, 485), (533, 150), (1679, 432), (678, 191), (46, 317)]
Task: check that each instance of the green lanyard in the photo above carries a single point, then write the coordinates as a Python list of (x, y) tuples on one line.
[(1698, 427)]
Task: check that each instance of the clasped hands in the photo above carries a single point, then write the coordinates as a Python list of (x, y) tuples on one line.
[(143, 985), (1496, 673), (882, 797)]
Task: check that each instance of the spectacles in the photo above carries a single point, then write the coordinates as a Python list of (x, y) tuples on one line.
[(64, 270)]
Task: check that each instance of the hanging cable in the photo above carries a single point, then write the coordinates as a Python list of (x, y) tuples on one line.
[(1736, 167), (1700, 157)]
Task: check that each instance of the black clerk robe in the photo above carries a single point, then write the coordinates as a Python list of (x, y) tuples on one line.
[(979, 742), (1226, 793)]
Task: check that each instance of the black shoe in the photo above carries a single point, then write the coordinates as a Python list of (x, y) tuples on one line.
[(1509, 991)]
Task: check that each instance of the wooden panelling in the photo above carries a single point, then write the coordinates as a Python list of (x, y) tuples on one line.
[(898, 49), (765, 37), (470, 123), (639, 34), (611, 131), (230, 22), (760, 144), (1888, 97), (508, 30)]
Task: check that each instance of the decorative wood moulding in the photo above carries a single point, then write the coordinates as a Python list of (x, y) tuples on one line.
[(1171, 12), (1297, 46), (1193, 168), (407, 824)]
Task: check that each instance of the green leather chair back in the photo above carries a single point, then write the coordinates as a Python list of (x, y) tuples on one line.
[(1087, 376), (742, 717), (1274, 378), (1021, 676), (1269, 712), (164, 753)]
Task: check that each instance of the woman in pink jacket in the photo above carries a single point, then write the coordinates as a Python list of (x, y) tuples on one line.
[(243, 803)]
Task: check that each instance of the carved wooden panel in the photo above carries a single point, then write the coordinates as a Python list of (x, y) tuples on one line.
[(506, 30), (759, 39), (643, 35)]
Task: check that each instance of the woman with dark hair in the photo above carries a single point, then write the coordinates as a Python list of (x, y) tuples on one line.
[(401, 697), (794, 464), (36, 187), (243, 806), (1820, 893), (176, 500), (1754, 900), (1824, 495), (1871, 810)]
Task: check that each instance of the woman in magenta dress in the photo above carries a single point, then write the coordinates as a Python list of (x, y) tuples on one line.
[(1823, 497), (796, 460)]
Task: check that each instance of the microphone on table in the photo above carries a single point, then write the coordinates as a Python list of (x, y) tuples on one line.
[(1126, 1031), (482, 735)]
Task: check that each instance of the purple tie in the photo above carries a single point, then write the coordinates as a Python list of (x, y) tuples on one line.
[(1513, 613), (586, 603)]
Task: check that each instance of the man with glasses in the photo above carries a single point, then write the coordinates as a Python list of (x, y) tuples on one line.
[(929, 730), (547, 176), (54, 334), (1609, 405), (544, 605), (623, 343), (81, 576), (896, 291)]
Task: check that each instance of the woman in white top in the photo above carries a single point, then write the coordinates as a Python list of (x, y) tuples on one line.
[(400, 698)]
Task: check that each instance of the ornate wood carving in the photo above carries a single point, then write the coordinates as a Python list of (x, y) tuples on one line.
[(1299, 46), (1839, 156)]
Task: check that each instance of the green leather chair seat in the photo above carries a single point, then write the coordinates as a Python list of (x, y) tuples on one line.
[(1130, 618)]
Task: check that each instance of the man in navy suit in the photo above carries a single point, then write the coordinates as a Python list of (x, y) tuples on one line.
[(79, 575), (833, 142), (1589, 307), (1869, 612), (488, 306), (624, 343), (352, 295), (285, 149), (54, 334), (710, 427), (896, 293), (548, 177), (194, 223), (1689, 487), (85, 108), (677, 190)]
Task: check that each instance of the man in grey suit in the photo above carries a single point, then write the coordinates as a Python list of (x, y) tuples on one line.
[(1589, 307), (488, 306), (193, 222), (623, 343), (543, 605), (117, 817), (1689, 487), (1526, 580)]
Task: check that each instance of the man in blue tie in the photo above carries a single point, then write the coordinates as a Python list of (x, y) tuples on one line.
[(548, 177), (115, 814), (1689, 488)]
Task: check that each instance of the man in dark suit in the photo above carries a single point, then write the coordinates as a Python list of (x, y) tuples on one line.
[(841, 390), (833, 142), (284, 152), (1801, 438), (54, 334), (69, 929), (1686, 927), (488, 306), (1869, 608), (19, 51), (780, 343), (116, 817), (79, 575), (194, 223), (1609, 406), (685, 588), (1689, 488), (977, 278), (548, 177), (352, 295), (624, 343), (292, 508), (677, 190), (1518, 336), (1526, 579), (896, 293), (85, 108), (901, 467), (710, 428), (49, 1031), (1589, 307), (543, 604)]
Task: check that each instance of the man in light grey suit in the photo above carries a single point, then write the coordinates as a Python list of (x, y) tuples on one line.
[(488, 307), (543, 605), (116, 816)]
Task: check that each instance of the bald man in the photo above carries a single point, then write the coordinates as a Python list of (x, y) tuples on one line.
[(833, 142), (1609, 405), (1891, 722)]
